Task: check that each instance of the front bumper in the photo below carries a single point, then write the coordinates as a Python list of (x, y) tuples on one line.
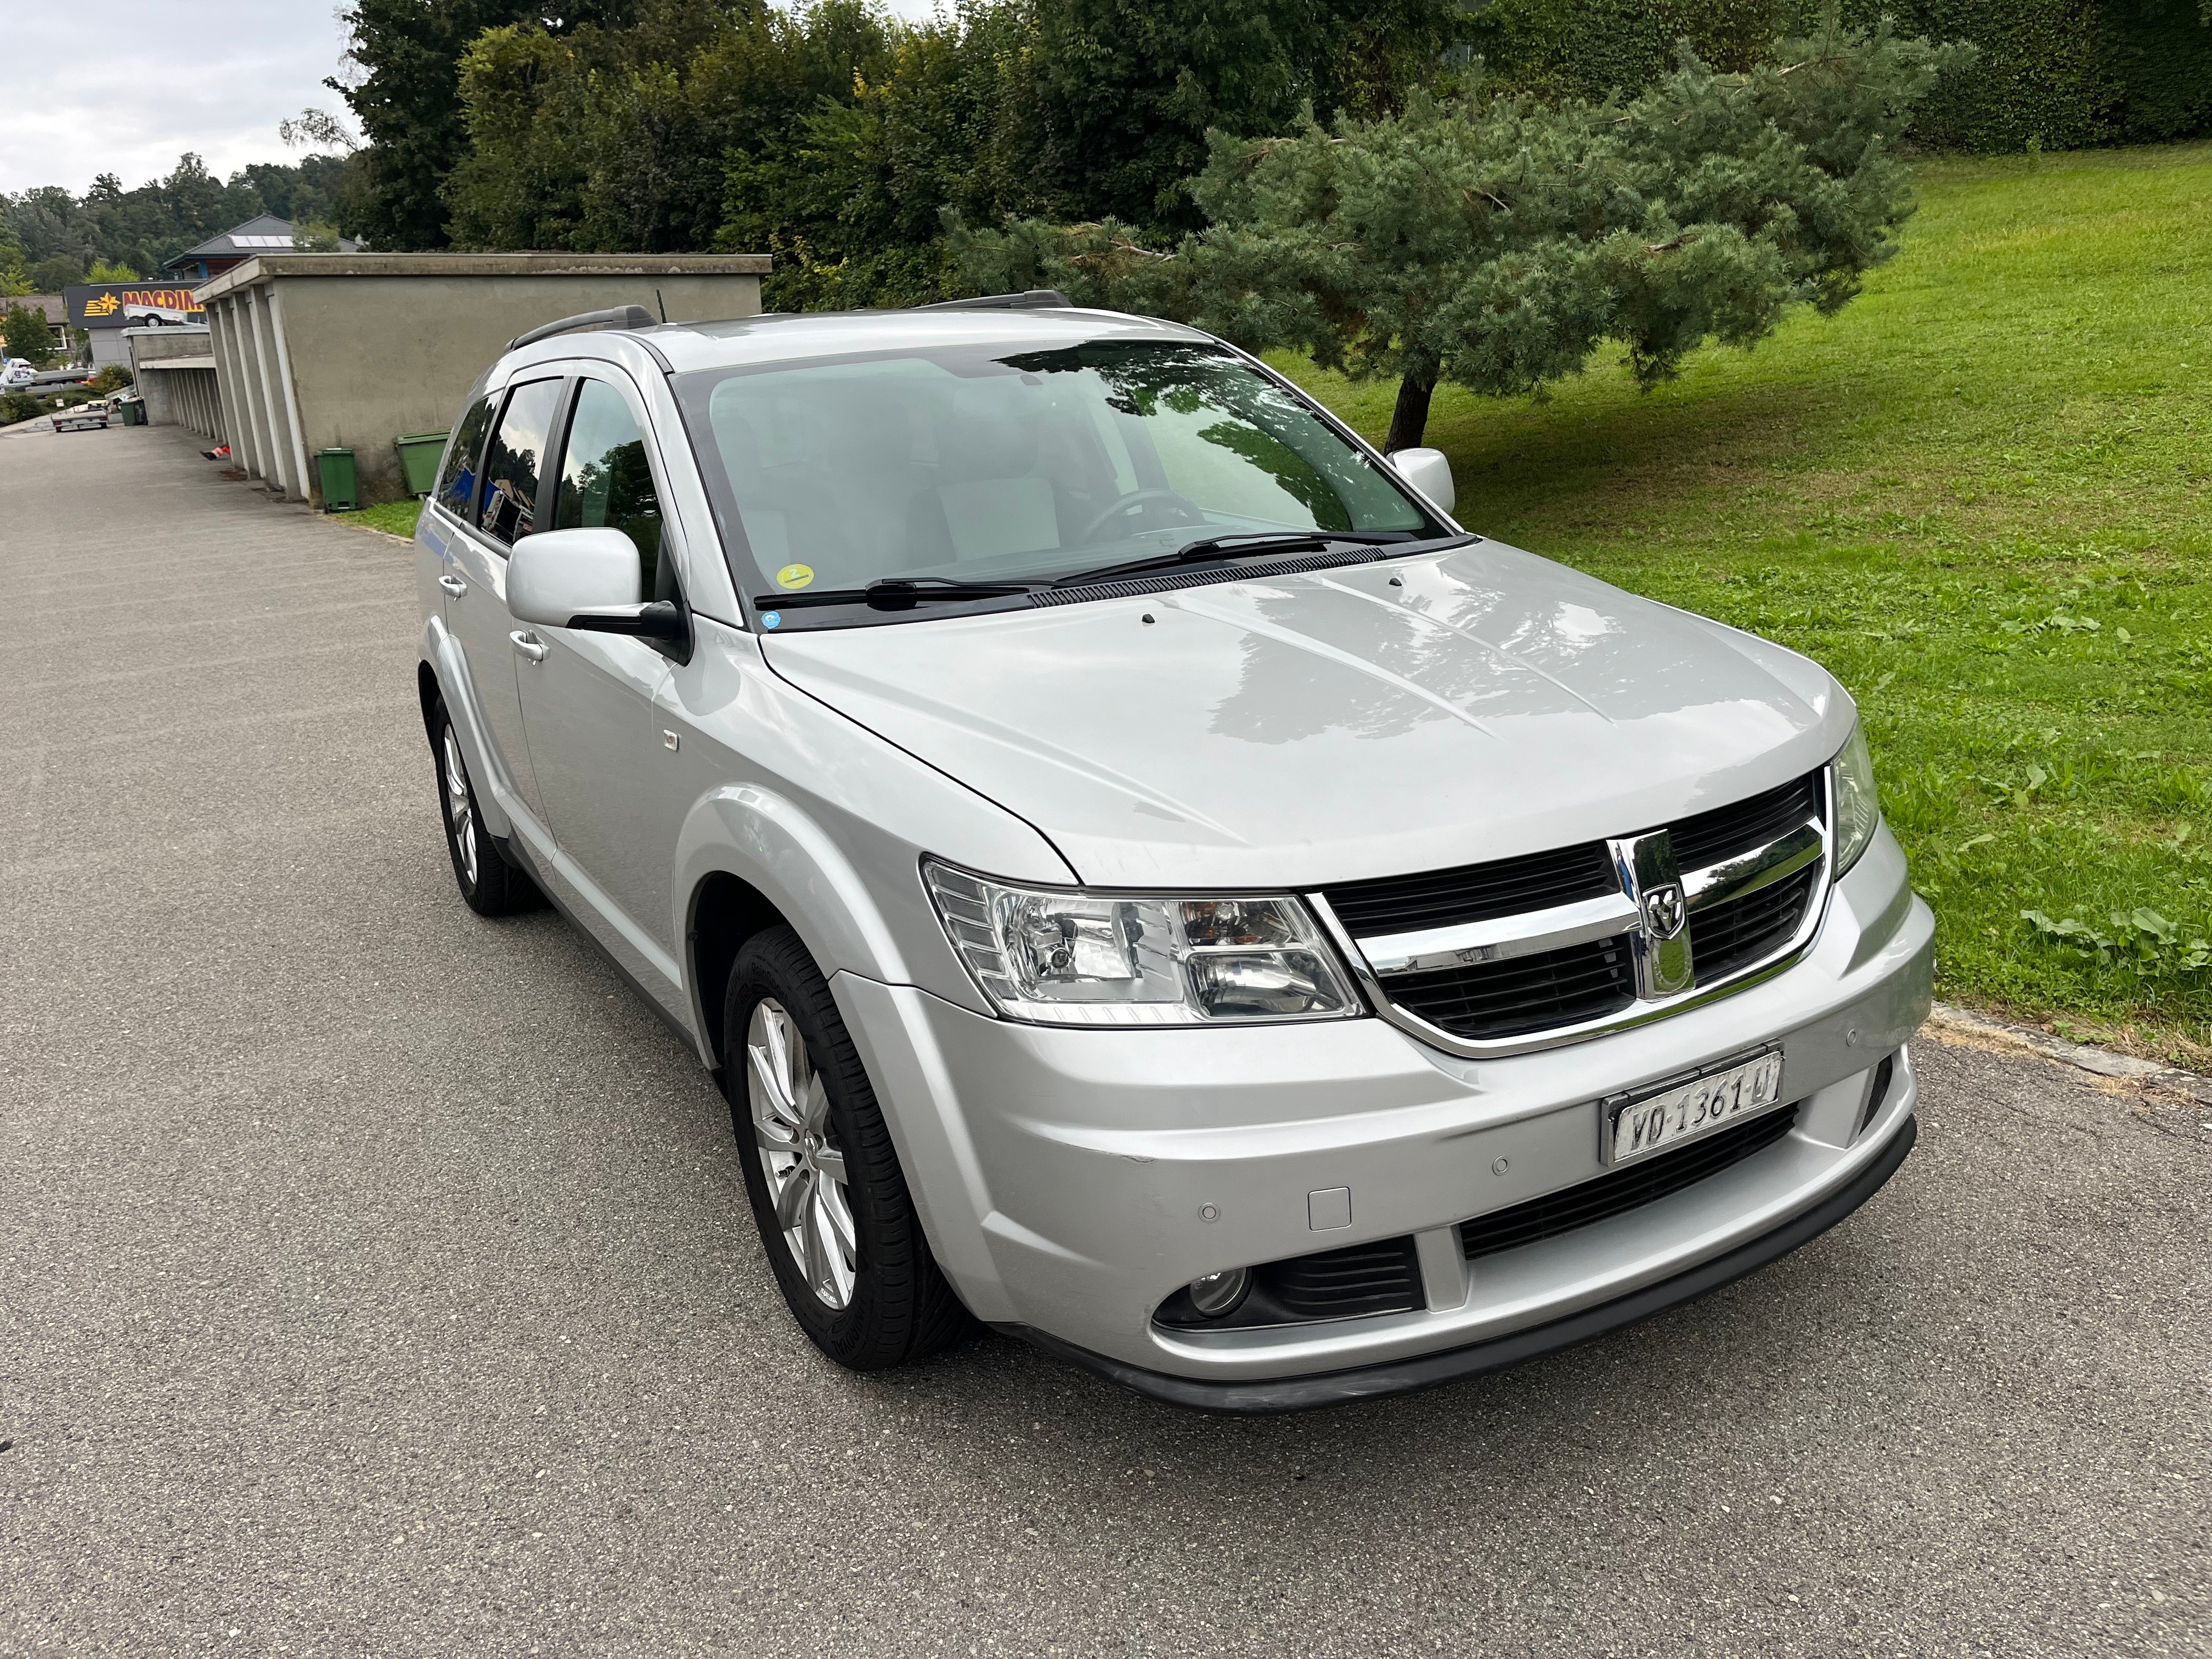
[(1495, 1353), (1070, 1181)]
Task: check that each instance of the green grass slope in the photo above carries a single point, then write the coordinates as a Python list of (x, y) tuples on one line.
[(1983, 496)]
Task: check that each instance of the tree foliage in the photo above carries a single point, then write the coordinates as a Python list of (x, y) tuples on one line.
[(53, 238), (1496, 241), (24, 328), (2066, 73), (407, 99), (833, 136)]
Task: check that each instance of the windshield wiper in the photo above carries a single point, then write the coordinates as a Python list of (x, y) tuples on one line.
[(1207, 547), (893, 593)]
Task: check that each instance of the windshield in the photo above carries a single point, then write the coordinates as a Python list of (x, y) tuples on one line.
[(1000, 464)]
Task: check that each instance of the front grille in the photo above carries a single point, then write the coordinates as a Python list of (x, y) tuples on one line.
[(1738, 932), (1640, 1184), (1583, 983), (1727, 832), (1877, 1092), (1523, 994), (1384, 1277), (1379, 1278), (1473, 892)]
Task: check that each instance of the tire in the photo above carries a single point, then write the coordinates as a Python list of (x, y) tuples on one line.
[(489, 885), (855, 1269)]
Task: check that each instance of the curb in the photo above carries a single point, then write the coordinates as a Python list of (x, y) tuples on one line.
[(1999, 1033)]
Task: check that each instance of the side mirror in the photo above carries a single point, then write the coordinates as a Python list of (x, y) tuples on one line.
[(1428, 472), (559, 574), (587, 580)]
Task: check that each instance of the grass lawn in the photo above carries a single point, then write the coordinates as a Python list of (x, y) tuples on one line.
[(394, 518), (1983, 496)]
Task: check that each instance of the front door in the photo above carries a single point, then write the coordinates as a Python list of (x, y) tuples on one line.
[(587, 699)]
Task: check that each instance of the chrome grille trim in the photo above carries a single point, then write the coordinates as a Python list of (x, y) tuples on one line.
[(1716, 884), (1524, 935), (1377, 959)]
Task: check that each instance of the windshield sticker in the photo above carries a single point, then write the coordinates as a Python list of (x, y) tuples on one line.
[(795, 575), (772, 619)]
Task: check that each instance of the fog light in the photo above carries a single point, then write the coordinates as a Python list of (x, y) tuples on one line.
[(1218, 1293)]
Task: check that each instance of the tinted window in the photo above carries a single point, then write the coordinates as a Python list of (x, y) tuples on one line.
[(605, 479), (456, 485), (513, 461)]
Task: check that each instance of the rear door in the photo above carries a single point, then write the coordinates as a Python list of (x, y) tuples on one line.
[(587, 699), (503, 509), (454, 494)]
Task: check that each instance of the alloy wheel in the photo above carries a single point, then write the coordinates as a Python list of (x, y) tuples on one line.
[(799, 1153), (461, 809)]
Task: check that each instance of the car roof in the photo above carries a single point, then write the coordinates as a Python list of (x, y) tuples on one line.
[(795, 337)]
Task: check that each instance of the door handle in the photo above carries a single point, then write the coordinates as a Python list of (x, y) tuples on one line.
[(530, 645), (454, 586)]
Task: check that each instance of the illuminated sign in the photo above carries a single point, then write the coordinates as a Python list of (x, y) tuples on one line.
[(130, 305)]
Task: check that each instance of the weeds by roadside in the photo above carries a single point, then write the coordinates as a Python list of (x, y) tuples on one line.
[(393, 518)]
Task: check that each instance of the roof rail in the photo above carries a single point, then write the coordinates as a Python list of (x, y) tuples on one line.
[(612, 317), (1037, 299)]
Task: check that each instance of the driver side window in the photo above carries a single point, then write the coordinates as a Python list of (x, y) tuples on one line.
[(606, 480)]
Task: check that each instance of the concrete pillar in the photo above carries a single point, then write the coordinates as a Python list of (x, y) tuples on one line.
[(230, 361), (268, 434), (287, 396)]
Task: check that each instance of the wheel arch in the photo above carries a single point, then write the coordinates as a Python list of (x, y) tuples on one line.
[(442, 675), (749, 859), (426, 687), (725, 910)]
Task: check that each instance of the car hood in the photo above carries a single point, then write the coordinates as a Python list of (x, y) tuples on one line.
[(1292, 731)]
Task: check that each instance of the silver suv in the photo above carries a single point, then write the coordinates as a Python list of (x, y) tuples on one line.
[(1144, 878)]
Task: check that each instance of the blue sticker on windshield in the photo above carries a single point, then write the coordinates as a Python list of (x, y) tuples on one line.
[(771, 619)]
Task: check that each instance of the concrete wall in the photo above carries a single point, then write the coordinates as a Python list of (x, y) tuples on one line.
[(349, 350)]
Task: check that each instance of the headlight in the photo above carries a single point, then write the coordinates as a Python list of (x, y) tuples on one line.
[(1056, 957), (1858, 812)]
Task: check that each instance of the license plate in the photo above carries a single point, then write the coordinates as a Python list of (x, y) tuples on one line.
[(1683, 1112)]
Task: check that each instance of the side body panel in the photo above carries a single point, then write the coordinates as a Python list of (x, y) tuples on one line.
[(826, 820)]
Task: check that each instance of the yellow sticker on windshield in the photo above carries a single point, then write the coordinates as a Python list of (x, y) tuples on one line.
[(795, 575)]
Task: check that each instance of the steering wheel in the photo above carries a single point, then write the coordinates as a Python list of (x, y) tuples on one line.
[(1142, 502)]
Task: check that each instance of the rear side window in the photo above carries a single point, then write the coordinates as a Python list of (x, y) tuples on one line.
[(606, 480), (456, 485), (513, 463)]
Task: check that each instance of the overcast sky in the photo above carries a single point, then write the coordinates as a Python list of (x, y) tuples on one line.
[(127, 88)]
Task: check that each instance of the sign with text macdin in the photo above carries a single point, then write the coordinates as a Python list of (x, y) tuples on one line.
[(130, 305)]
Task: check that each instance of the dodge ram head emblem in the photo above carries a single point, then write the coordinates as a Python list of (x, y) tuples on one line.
[(1663, 911)]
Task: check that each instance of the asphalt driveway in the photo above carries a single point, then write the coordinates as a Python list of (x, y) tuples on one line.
[(378, 1279)]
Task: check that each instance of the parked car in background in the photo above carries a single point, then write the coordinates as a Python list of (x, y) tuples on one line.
[(17, 371), (1142, 874)]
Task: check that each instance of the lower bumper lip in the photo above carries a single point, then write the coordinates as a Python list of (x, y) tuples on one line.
[(1291, 1393)]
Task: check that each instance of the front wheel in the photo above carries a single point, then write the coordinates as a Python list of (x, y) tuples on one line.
[(827, 1191)]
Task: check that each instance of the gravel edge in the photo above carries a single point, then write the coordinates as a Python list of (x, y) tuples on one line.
[(1967, 1025)]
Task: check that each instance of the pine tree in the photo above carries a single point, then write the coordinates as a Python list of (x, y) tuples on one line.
[(1497, 242)]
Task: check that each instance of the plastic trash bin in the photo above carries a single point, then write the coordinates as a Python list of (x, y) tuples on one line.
[(418, 459), (334, 468), (132, 410)]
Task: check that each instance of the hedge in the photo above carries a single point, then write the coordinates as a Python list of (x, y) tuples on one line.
[(2064, 74)]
